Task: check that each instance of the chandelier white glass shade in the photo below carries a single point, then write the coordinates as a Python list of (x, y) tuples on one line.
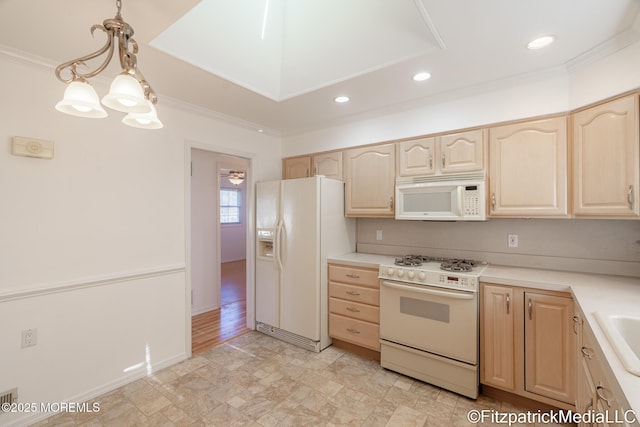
[(81, 99), (147, 120), (236, 177), (129, 92)]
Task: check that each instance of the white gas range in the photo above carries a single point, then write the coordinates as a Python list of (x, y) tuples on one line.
[(429, 320)]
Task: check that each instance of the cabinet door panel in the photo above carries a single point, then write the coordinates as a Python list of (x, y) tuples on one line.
[(606, 159), (328, 164), (417, 157), (462, 152), (549, 346), (369, 175), (497, 358), (296, 167), (528, 169)]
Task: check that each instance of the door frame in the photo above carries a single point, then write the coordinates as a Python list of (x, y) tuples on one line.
[(249, 223)]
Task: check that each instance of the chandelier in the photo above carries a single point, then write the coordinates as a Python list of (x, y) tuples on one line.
[(129, 91), (236, 177)]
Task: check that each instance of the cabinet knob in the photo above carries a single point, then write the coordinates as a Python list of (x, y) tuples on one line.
[(353, 331), (508, 303), (353, 276), (353, 309), (443, 159), (630, 197), (493, 201), (353, 293)]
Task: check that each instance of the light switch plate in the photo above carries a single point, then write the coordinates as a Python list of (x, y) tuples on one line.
[(31, 147)]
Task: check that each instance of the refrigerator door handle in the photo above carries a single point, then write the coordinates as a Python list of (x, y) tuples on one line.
[(277, 245)]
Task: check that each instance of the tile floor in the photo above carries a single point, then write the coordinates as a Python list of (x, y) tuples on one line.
[(256, 380)]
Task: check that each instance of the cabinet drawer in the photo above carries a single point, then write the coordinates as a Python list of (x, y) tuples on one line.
[(356, 310), (354, 275), (358, 332), (355, 293)]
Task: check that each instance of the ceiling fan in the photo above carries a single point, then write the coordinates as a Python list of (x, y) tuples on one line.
[(234, 177)]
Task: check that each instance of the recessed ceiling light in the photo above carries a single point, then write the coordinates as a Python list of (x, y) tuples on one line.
[(541, 42), (341, 99), (420, 77)]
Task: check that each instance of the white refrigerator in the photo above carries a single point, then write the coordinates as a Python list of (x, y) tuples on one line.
[(299, 224)]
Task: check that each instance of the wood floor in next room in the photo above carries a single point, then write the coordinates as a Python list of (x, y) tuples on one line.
[(217, 326)]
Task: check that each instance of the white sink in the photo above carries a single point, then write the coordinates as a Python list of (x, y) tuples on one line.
[(623, 332)]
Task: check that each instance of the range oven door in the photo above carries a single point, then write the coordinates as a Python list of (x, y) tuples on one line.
[(436, 320)]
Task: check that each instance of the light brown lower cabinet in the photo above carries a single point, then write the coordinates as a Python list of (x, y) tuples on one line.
[(527, 343), (598, 394), (354, 305)]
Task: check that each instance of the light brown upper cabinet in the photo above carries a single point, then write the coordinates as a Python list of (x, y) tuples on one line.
[(453, 153), (327, 164), (369, 176), (606, 160), (528, 169), (296, 167)]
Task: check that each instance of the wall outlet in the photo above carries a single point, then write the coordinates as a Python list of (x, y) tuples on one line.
[(29, 337), (512, 240), (378, 234)]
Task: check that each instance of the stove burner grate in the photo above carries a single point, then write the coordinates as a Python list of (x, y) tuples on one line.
[(447, 264)]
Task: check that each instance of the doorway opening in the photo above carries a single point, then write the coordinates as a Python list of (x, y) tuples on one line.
[(218, 248)]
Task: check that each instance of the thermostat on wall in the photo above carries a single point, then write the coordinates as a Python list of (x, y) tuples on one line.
[(31, 147)]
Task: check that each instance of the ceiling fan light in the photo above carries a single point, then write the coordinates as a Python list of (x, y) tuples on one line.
[(143, 120), (80, 99), (236, 177), (126, 95)]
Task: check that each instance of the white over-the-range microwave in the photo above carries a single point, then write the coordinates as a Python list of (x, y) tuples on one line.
[(459, 197)]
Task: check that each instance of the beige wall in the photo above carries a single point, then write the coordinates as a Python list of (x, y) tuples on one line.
[(93, 243), (598, 246)]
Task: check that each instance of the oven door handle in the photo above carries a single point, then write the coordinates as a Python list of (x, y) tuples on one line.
[(429, 291)]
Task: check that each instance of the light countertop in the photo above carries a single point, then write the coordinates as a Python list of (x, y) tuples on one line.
[(592, 293), (363, 260)]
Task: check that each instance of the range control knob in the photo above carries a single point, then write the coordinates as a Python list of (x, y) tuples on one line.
[(422, 275), (411, 274), (390, 271), (400, 273)]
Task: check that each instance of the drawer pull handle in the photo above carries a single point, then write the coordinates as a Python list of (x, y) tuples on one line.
[(353, 309), (600, 393), (353, 276), (587, 352), (353, 293), (353, 331)]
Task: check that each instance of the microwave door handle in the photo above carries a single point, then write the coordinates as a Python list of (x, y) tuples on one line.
[(460, 194)]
